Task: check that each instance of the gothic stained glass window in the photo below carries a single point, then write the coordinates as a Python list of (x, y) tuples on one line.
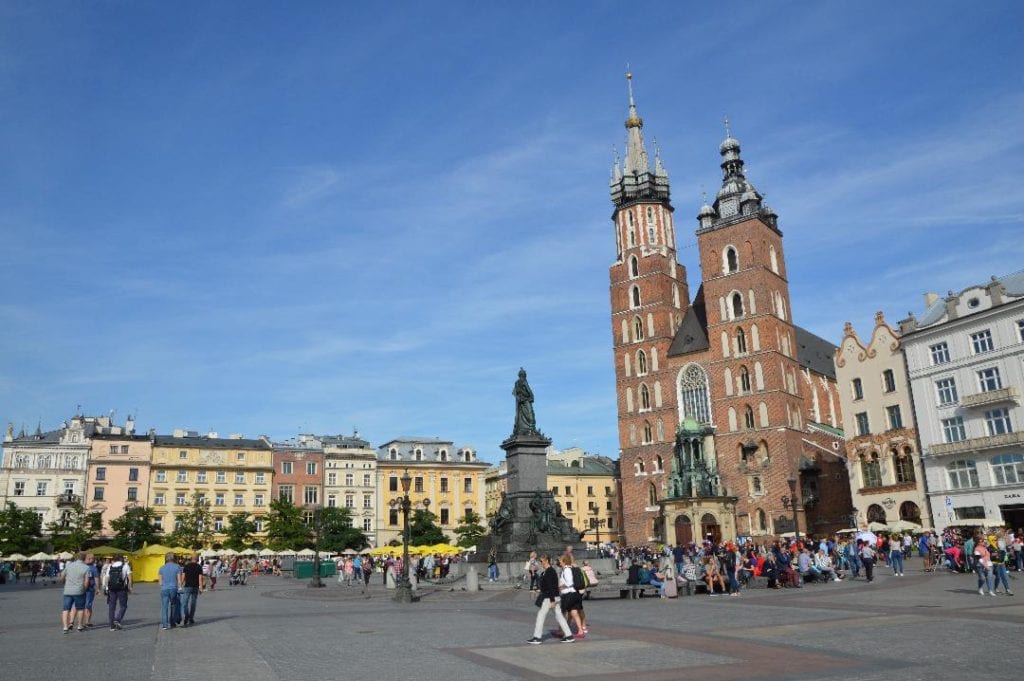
[(693, 393)]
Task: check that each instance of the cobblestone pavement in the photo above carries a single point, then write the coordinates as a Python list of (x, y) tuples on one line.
[(922, 626)]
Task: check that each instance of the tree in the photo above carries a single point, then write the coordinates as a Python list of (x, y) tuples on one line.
[(286, 527), (20, 530), (423, 530), (75, 528), (470, 532), (136, 528), (239, 531), (337, 533), (195, 526)]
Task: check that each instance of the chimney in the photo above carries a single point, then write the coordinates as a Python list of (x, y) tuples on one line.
[(930, 298), (212, 435), (179, 432)]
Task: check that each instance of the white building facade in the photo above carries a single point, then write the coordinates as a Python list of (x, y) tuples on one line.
[(46, 471), (965, 361)]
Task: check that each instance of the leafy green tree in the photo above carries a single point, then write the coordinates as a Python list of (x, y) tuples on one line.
[(76, 527), (470, 531), (136, 528), (20, 530), (195, 528), (337, 533), (286, 526), (423, 530), (239, 531)]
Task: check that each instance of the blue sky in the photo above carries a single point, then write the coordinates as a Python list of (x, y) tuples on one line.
[(280, 217)]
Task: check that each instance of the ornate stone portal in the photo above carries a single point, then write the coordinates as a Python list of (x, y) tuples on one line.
[(529, 518), (696, 507)]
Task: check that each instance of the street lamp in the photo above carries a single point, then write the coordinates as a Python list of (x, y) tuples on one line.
[(403, 592), (790, 502), (596, 524), (317, 583)]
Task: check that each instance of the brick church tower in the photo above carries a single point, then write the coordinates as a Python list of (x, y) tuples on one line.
[(648, 297), (721, 425)]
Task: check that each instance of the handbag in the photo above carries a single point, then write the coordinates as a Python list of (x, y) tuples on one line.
[(540, 600)]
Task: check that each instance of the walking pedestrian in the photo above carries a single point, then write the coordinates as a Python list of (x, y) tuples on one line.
[(90, 591), (193, 584), (983, 566), (76, 580), (896, 558), (117, 584), (170, 579), (549, 600), (867, 559)]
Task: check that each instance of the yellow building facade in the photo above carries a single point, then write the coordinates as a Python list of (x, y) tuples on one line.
[(233, 474), (447, 481)]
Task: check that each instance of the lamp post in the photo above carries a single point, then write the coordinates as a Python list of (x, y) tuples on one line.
[(317, 583), (403, 592), (790, 502), (596, 524)]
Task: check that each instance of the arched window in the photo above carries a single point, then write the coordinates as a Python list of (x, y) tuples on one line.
[(871, 470), (661, 430), (418, 455), (910, 511), (638, 468), (694, 400), (762, 413), (736, 301), (636, 296), (1008, 469), (658, 465), (773, 259), (634, 266), (393, 454), (903, 465), (443, 454), (652, 495), (641, 363), (632, 228), (651, 235), (741, 341), (963, 474), (748, 417), (645, 397), (648, 433), (762, 521), (638, 329), (744, 380), (876, 514), (731, 260), (755, 485)]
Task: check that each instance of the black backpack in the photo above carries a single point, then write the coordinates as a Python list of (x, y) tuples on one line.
[(115, 578), (579, 579)]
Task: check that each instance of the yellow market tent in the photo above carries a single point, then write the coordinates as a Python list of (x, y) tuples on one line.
[(146, 562), (106, 551)]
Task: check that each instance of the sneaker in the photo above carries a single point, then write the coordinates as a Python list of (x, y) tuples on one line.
[(990, 593), (81, 628), (66, 629), (836, 579), (1009, 593), (118, 625), (164, 628), (581, 635), (568, 639), (113, 628), (586, 630), (981, 592), (534, 641)]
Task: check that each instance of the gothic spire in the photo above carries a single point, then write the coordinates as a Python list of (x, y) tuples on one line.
[(737, 195), (636, 152)]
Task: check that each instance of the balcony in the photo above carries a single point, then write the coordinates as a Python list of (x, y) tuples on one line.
[(975, 444), (68, 499), (1009, 394)]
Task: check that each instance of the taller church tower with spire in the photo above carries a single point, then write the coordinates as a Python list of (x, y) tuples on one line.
[(728, 415)]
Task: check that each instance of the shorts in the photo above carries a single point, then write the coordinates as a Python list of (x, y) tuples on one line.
[(77, 602), (572, 600), (90, 596)]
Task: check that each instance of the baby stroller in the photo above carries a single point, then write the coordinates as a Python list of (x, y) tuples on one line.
[(237, 578)]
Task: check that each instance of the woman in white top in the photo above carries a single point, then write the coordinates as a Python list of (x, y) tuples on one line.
[(572, 600)]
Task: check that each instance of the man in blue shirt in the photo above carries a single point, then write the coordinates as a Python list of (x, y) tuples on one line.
[(90, 591), (171, 579)]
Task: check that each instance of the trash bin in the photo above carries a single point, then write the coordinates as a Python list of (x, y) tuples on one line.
[(328, 568), (303, 569)]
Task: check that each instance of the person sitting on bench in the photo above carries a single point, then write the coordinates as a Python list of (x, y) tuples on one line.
[(823, 566), (712, 575)]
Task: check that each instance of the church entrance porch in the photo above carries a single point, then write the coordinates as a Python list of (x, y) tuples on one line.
[(715, 516)]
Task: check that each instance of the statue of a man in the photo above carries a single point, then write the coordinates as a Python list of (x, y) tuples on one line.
[(526, 421)]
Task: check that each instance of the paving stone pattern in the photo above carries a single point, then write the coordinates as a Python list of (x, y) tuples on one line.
[(922, 626)]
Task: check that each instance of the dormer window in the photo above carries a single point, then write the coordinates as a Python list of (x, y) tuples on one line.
[(418, 454), (443, 455), (393, 454)]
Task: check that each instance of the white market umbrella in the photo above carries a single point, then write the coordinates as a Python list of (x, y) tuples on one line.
[(867, 536), (326, 554), (306, 552), (286, 552), (877, 526), (208, 553), (229, 552), (904, 526), (39, 556), (350, 552), (851, 530), (65, 555), (18, 556), (248, 552), (266, 553)]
